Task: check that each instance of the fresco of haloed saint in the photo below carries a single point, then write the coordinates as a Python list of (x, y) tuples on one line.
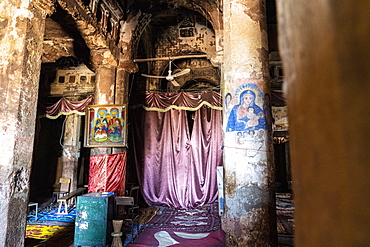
[(247, 119)]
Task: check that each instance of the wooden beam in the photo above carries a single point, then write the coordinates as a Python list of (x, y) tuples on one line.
[(168, 58)]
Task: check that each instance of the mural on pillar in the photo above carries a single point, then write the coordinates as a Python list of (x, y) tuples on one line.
[(247, 119), (247, 115)]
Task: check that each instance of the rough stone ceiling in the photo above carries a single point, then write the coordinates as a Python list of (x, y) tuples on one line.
[(62, 38), (170, 17), (169, 7), (165, 13)]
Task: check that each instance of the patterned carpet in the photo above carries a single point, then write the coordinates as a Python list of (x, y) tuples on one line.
[(180, 227), (200, 219), (150, 237), (49, 224), (43, 231), (157, 223), (52, 215), (147, 214), (284, 213)]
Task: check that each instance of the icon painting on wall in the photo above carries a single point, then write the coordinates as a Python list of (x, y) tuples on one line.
[(247, 121), (248, 114), (105, 126)]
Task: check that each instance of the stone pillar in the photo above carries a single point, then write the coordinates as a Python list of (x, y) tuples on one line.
[(249, 218), (71, 144), (104, 94), (122, 83), (121, 96), (105, 84), (22, 32), (324, 46), (125, 68)]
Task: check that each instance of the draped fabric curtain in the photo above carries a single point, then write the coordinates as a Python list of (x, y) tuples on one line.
[(62, 107), (108, 173), (65, 107), (176, 167)]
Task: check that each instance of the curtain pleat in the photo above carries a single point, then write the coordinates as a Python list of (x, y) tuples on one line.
[(175, 168), (206, 143)]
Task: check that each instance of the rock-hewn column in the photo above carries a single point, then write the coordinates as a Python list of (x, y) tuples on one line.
[(105, 84), (324, 46), (122, 88), (21, 32), (72, 129), (249, 218), (121, 97), (126, 66)]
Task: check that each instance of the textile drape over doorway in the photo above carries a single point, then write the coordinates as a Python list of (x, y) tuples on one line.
[(177, 145)]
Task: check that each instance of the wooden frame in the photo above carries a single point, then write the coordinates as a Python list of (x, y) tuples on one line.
[(105, 126)]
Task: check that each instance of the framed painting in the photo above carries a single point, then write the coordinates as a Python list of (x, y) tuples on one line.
[(105, 126)]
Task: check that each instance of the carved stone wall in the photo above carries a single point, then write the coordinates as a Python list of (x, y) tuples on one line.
[(21, 44)]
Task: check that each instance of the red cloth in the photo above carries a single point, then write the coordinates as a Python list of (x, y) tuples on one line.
[(108, 172)]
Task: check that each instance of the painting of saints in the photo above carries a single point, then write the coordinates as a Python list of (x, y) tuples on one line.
[(101, 126), (115, 126), (247, 115)]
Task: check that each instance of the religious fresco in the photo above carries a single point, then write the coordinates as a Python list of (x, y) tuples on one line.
[(246, 119), (248, 114)]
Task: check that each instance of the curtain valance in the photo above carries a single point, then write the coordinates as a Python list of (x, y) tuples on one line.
[(163, 102), (65, 107)]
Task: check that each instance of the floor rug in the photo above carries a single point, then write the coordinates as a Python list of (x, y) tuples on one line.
[(163, 238), (42, 231), (52, 215), (285, 213), (147, 214), (201, 219)]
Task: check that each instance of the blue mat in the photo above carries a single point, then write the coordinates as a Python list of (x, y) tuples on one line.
[(53, 216)]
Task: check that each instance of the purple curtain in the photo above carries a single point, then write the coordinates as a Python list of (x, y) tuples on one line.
[(177, 167), (65, 107)]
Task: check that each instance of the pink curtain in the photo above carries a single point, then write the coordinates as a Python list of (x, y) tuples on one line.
[(177, 167), (108, 172), (65, 107)]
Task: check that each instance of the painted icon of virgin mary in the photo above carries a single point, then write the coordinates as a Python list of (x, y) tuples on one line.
[(247, 115)]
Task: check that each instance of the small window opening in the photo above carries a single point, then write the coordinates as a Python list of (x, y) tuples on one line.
[(83, 78), (61, 79), (72, 79)]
